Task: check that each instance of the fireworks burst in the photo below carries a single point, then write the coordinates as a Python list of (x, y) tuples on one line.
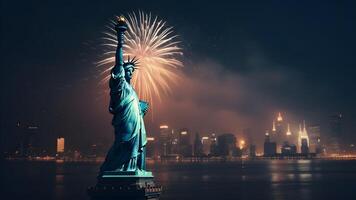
[(155, 45)]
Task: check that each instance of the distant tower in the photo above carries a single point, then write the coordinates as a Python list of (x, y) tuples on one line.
[(152, 147), (185, 146), (279, 118), (227, 144), (274, 126), (280, 136), (206, 142), (303, 136), (268, 146), (267, 137), (305, 133), (164, 140), (288, 131), (214, 145), (30, 142), (300, 133), (288, 149), (198, 146), (60, 146), (174, 142), (336, 137), (252, 151), (314, 139), (304, 147)]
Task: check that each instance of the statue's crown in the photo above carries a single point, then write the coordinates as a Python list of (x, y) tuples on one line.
[(131, 62)]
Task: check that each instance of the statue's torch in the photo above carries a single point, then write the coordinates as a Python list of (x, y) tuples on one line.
[(120, 28)]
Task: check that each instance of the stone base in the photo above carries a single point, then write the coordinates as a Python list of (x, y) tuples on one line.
[(125, 185)]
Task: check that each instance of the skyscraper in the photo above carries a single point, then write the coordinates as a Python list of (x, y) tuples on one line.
[(185, 146), (289, 137), (30, 143), (252, 151), (227, 144), (304, 147), (164, 140), (269, 148), (152, 147), (60, 145), (303, 136), (278, 131), (335, 134), (288, 133), (288, 149), (214, 151), (314, 139), (206, 142), (198, 146), (173, 142)]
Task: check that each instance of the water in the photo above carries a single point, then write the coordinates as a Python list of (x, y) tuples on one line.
[(268, 179)]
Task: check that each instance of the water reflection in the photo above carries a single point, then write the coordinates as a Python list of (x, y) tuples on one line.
[(286, 174), (291, 177), (59, 181), (205, 178), (277, 179), (305, 177)]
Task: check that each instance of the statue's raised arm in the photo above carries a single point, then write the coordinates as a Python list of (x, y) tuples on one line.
[(120, 28)]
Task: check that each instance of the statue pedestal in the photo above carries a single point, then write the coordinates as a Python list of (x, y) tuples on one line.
[(125, 185)]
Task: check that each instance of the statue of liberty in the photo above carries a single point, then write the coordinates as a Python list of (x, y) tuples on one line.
[(123, 174), (127, 154)]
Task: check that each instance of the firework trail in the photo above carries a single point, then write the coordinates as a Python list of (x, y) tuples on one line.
[(155, 45)]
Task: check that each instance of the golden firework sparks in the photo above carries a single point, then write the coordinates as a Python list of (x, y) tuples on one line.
[(155, 45)]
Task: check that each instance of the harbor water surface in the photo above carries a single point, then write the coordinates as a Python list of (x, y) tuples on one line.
[(245, 180)]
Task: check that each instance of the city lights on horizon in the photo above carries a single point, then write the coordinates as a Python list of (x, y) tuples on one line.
[(163, 127), (283, 129)]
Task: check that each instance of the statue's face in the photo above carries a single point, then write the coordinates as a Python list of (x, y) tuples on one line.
[(128, 73)]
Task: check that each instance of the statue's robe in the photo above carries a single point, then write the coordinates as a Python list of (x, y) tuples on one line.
[(128, 150)]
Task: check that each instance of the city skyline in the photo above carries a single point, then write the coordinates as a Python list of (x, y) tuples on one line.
[(170, 139)]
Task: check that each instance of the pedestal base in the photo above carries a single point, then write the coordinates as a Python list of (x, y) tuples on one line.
[(125, 185)]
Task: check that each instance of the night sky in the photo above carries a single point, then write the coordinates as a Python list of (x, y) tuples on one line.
[(243, 63)]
